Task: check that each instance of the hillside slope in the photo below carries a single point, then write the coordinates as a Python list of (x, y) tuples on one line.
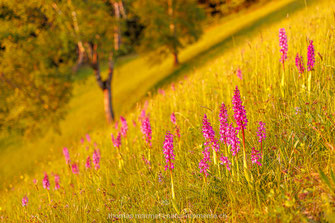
[(298, 110), (134, 78)]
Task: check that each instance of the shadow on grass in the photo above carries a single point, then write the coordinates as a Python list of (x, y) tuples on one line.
[(216, 50)]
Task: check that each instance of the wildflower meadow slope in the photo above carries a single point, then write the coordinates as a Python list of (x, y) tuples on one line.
[(248, 137)]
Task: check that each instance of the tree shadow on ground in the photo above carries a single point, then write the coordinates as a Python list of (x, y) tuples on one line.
[(241, 34)]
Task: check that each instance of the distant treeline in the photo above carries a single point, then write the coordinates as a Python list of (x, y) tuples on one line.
[(214, 9)]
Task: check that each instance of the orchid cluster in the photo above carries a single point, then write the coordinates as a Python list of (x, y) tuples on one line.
[(88, 162), (75, 169), (204, 163), (146, 130), (239, 111), (299, 63), (233, 140), (255, 156), (124, 127), (209, 135), (45, 182), (57, 179), (298, 59), (239, 73), (96, 159), (310, 56), (283, 45), (66, 155), (25, 201), (116, 141), (261, 132), (168, 151), (223, 117), (229, 135), (225, 161), (174, 122)]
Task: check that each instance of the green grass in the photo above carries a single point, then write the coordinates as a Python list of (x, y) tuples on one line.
[(288, 186)]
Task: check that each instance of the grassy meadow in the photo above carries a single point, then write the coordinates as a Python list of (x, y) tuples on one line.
[(86, 107), (295, 182)]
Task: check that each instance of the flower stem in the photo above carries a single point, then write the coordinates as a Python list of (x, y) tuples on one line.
[(244, 153), (214, 157), (172, 186), (246, 172)]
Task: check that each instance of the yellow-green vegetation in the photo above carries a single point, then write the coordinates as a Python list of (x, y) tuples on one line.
[(289, 185), (134, 78)]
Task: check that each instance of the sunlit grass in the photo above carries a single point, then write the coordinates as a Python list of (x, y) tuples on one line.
[(133, 78), (300, 140)]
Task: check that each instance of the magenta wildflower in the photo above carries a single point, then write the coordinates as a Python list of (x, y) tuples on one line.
[(116, 125), (203, 164), (57, 186), (98, 153), (310, 56), (96, 159), (299, 63), (75, 169), (297, 110), (45, 182), (146, 130), (82, 140), (142, 115), (168, 151), (173, 87), (124, 127), (147, 162), (207, 129), (239, 73), (116, 141), (233, 140), (223, 116), (173, 118), (255, 156), (35, 181), (239, 111), (88, 138), (261, 132), (146, 104), (88, 162), (283, 45), (24, 201), (134, 123), (209, 134), (225, 161), (161, 91), (66, 155)]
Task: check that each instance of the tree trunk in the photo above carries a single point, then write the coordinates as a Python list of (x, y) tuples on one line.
[(176, 60), (81, 55), (108, 102), (106, 85), (108, 90)]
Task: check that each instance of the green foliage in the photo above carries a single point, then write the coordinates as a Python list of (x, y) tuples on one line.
[(169, 25), (35, 79), (88, 21), (39, 46)]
